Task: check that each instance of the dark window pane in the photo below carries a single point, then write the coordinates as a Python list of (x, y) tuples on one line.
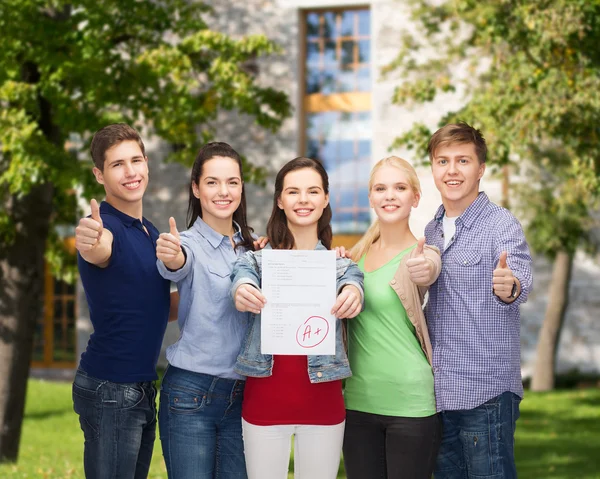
[(312, 25), (58, 308), (347, 54), (312, 53), (329, 55), (330, 28), (313, 78), (348, 23), (312, 149)]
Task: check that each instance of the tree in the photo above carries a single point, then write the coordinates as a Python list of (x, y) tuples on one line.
[(68, 68), (530, 73)]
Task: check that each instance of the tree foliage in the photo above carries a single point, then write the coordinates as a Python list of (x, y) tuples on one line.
[(529, 71), (67, 68)]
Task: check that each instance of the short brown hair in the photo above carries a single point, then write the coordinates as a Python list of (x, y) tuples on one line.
[(109, 136), (458, 133)]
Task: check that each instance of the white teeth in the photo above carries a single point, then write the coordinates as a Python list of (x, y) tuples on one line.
[(302, 212), (453, 183), (135, 184), (223, 203), (390, 207)]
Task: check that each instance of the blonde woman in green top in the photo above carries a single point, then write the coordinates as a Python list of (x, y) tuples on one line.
[(392, 429)]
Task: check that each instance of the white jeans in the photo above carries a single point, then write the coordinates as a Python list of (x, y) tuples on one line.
[(317, 450)]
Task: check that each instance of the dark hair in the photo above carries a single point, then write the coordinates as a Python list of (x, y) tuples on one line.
[(109, 136), (458, 133), (280, 236), (208, 152)]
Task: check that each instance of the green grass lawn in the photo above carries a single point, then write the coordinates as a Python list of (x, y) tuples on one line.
[(558, 436)]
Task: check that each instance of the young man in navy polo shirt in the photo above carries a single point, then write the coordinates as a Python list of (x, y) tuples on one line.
[(473, 312), (113, 390)]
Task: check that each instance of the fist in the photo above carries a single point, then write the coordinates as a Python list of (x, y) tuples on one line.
[(503, 279), (249, 299), (420, 269), (168, 247), (89, 230)]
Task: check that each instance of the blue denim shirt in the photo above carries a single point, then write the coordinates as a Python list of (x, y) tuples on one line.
[(211, 329), (321, 368)]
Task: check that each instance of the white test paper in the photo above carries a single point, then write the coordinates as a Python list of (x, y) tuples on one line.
[(300, 289)]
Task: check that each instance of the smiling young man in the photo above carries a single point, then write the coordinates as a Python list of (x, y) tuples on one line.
[(473, 312), (129, 302)]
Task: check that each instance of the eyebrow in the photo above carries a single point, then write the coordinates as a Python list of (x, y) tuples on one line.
[(215, 178), (394, 184), (123, 159), (296, 188)]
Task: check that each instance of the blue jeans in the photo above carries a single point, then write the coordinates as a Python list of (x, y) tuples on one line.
[(119, 426), (200, 421), (479, 443)]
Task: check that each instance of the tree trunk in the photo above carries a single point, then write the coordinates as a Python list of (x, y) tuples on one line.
[(558, 298), (21, 300)]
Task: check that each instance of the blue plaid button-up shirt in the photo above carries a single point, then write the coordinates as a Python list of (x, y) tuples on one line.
[(475, 335)]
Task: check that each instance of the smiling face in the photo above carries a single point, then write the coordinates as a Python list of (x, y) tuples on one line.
[(456, 172), (391, 195), (124, 176), (303, 198), (219, 190)]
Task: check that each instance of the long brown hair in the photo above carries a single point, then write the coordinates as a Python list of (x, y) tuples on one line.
[(280, 236), (208, 152)]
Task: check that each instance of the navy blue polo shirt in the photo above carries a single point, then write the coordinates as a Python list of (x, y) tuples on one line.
[(128, 301)]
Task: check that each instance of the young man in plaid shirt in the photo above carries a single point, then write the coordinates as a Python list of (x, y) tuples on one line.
[(473, 312)]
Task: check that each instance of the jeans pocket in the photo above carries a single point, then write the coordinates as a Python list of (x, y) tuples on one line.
[(87, 405), (183, 401), (132, 396)]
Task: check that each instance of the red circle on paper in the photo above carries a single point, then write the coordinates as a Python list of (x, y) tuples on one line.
[(312, 332)]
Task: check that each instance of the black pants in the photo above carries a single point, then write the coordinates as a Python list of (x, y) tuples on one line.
[(389, 447)]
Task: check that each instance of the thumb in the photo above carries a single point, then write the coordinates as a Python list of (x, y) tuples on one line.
[(173, 227), (95, 211), (420, 246), (502, 261)]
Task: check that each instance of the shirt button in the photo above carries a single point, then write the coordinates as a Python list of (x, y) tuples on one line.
[(319, 374), (393, 281), (465, 262), (403, 296), (410, 313)]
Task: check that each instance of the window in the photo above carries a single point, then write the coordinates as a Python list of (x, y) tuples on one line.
[(337, 109), (55, 335)]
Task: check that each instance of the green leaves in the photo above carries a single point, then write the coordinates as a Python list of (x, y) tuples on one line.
[(530, 71), (68, 68)]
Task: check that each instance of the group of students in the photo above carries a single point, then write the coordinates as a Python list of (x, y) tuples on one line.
[(418, 382)]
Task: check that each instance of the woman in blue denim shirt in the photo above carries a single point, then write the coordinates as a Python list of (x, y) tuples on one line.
[(201, 395), (287, 394)]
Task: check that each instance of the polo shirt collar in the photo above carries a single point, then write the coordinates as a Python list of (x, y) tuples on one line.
[(473, 211), (108, 209), (213, 237)]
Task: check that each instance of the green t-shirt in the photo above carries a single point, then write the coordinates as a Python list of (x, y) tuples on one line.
[(390, 372)]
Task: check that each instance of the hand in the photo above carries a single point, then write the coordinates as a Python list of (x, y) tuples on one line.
[(260, 243), (503, 279), (420, 268), (341, 252), (348, 303), (168, 247), (248, 298), (89, 230)]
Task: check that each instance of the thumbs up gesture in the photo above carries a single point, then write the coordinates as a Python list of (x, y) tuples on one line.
[(168, 247), (420, 269), (89, 230), (504, 280)]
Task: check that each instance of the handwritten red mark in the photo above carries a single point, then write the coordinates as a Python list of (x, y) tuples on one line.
[(312, 332)]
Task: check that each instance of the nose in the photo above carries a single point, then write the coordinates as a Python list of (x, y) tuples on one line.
[(223, 189), (129, 169), (452, 167), (303, 197)]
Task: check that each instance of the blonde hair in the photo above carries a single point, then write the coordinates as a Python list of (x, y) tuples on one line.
[(372, 234)]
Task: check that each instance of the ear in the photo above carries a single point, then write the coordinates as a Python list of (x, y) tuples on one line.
[(326, 200), (417, 199), (98, 174), (279, 203), (481, 171), (196, 190)]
